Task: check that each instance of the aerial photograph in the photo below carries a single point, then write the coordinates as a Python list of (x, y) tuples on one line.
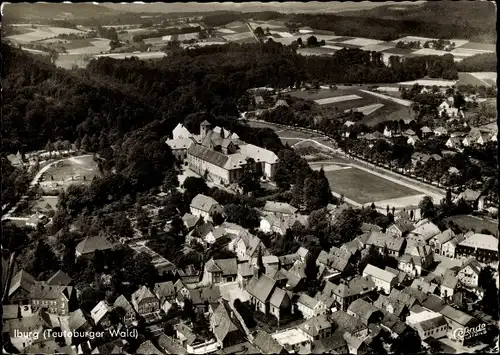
[(249, 178)]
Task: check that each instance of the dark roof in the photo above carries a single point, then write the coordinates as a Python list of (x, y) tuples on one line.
[(432, 323), (123, 303), (222, 324), (208, 155), (148, 348), (21, 280), (277, 297), (347, 322), (47, 292), (10, 311), (164, 289), (209, 294), (333, 343), (261, 288), (60, 278), (266, 343), (226, 266), (205, 123), (313, 326), (434, 303), (91, 244), (242, 348), (77, 319), (362, 309)]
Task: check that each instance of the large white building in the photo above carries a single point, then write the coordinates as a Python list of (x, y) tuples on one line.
[(224, 159)]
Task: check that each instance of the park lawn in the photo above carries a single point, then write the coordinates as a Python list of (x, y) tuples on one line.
[(469, 222), (364, 187)]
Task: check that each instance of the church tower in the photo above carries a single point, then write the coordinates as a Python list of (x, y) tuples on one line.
[(204, 129)]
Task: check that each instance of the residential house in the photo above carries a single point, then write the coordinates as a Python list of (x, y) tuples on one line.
[(164, 291), (60, 278), (315, 328), (225, 326), (125, 310), (457, 319), (437, 241), (429, 287), (387, 132), (201, 297), (474, 198), (204, 206), (395, 246), (343, 294), (426, 131), (401, 276), (449, 285), (267, 298), (412, 140), (148, 347), (365, 311), (448, 248), (454, 143), (79, 321), (58, 300), (484, 247), (393, 306), (475, 137), (17, 160), (406, 297), (428, 324), (468, 273), (433, 303), (190, 221), (89, 245), (269, 261), (356, 245), (409, 132), (279, 208), (440, 131), (422, 233), (215, 234), (349, 324), (247, 246), (101, 314), (400, 227), (393, 325), (424, 253), (199, 232), (266, 344), (21, 287), (384, 280), (221, 270), (281, 223), (448, 109), (170, 346), (144, 301), (21, 331), (310, 307)]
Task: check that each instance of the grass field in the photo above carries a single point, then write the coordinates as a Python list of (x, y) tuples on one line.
[(479, 46), (337, 99), (363, 187), (343, 45), (395, 50), (469, 222)]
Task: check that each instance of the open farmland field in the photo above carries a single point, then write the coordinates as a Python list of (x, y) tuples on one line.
[(362, 42), (42, 32), (343, 45), (467, 221), (479, 46), (364, 187), (142, 56), (389, 112), (429, 82), (238, 36), (394, 50)]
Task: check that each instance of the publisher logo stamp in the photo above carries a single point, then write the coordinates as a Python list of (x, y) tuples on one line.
[(469, 332)]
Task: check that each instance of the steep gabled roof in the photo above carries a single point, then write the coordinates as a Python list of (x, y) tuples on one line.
[(261, 288), (203, 203), (91, 244), (60, 278), (313, 326), (142, 294), (266, 343), (21, 280)]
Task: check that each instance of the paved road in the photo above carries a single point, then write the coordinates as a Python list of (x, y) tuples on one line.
[(36, 179)]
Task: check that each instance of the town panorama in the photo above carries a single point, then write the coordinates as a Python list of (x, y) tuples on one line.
[(249, 178)]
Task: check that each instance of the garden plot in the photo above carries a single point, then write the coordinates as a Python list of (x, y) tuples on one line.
[(238, 36), (429, 82), (377, 47), (332, 100), (369, 109), (362, 42), (430, 51), (226, 31), (414, 39), (406, 103)]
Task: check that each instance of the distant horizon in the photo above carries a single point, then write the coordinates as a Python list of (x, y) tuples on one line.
[(290, 7)]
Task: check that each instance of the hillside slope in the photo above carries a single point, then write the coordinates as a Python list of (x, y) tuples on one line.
[(38, 11)]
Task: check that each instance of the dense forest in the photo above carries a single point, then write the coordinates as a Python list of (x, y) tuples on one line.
[(474, 20), (479, 63)]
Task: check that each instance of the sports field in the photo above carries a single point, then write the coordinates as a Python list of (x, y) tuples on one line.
[(79, 170), (364, 187)]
